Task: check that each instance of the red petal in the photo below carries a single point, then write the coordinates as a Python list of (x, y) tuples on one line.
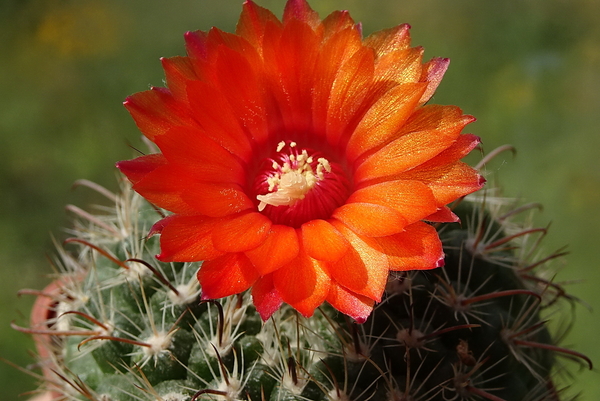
[(187, 239), (216, 199), (303, 283), (370, 219), (201, 156), (227, 275), (138, 168), (364, 268), (265, 297), (279, 248), (354, 305), (290, 62), (178, 72), (323, 241), (418, 247), (239, 81), (241, 233), (156, 111), (215, 116), (164, 187)]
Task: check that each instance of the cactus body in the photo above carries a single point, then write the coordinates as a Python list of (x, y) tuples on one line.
[(118, 325)]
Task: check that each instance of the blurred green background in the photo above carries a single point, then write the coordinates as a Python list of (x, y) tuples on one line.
[(528, 70)]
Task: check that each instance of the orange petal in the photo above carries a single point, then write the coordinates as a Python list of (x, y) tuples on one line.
[(412, 199), (323, 241), (252, 23), (215, 199), (334, 52), (433, 72), (265, 297), (201, 156), (401, 66), (418, 247), (364, 268), (138, 168), (279, 248), (242, 232), (349, 303), (351, 86), (385, 119), (187, 239), (389, 40), (337, 21), (431, 130), (448, 182), (227, 275), (443, 215), (155, 111), (303, 283), (370, 219), (300, 10)]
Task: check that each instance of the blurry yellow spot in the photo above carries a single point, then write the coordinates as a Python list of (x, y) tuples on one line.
[(79, 29)]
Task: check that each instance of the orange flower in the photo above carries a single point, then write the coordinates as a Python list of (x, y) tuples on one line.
[(299, 160)]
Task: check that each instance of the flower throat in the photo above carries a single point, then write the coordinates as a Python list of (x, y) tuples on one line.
[(297, 185)]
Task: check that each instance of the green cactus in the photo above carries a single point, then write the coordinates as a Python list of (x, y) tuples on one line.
[(116, 324)]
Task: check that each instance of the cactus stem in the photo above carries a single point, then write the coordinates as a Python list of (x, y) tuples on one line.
[(98, 249), (158, 274), (555, 348)]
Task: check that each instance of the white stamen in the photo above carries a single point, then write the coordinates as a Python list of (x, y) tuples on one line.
[(290, 185)]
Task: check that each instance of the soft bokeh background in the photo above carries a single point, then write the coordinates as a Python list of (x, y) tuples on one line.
[(528, 70)]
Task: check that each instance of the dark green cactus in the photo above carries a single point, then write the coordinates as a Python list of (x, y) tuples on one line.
[(116, 324)]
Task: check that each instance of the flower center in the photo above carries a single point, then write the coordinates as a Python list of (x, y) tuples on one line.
[(297, 185)]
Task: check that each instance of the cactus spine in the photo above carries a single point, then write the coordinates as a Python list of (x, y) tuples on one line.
[(116, 324)]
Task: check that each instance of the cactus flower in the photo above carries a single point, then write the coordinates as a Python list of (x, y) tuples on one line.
[(299, 160)]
